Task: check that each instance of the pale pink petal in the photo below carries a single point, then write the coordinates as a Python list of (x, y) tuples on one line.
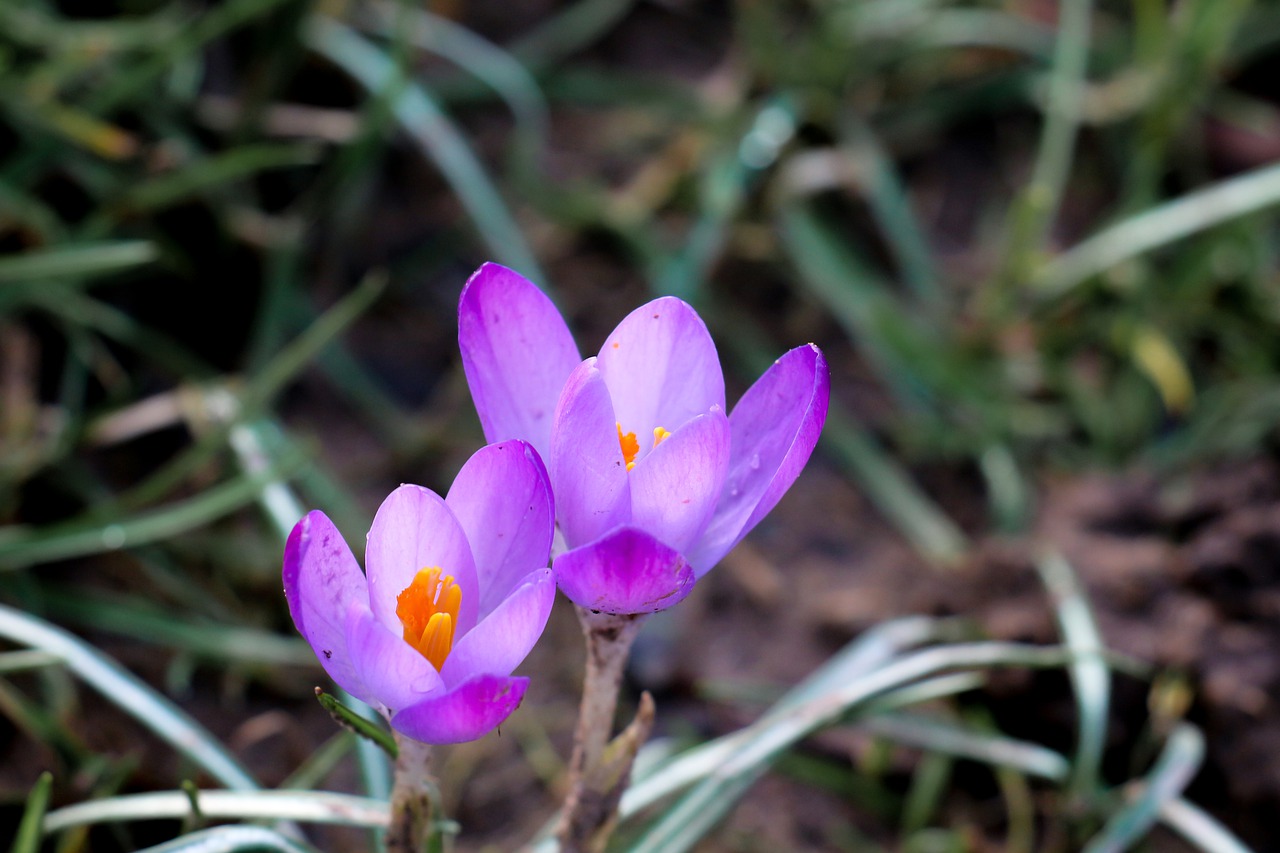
[(321, 580), (588, 474), (625, 572), (502, 499), (467, 712), (502, 639), (674, 489), (414, 530), (661, 368), (775, 427), (517, 353)]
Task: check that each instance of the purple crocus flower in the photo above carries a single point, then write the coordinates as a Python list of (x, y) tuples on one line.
[(653, 482), (456, 595)]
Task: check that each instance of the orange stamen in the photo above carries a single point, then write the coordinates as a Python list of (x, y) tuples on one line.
[(428, 609), (630, 447)]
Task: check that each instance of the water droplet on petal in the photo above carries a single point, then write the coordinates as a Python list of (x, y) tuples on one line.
[(755, 462)]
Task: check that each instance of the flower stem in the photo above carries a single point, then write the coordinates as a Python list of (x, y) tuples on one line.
[(411, 795), (600, 767)]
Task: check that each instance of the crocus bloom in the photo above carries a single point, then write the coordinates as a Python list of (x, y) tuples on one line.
[(457, 593), (653, 482)]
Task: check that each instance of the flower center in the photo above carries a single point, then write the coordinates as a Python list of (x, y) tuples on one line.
[(631, 447), (428, 609)]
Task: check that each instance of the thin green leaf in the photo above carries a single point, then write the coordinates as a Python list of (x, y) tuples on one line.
[(354, 722), (1163, 225), (130, 693), (302, 806), (217, 171), (1089, 674), (938, 735), (1200, 828), (28, 838), (435, 135), (20, 549), (76, 260), (757, 745), (1178, 763)]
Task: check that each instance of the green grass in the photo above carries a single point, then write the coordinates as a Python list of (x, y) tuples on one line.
[(1094, 286)]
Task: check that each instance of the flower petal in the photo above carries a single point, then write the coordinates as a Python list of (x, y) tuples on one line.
[(588, 474), (502, 499), (413, 530), (674, 489), (321, 580), (467, 712), (774, 429), (395, 674), (517, 353), (625, 572), (661, 368), (502, 639)]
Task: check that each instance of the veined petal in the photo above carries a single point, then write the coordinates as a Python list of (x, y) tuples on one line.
[(775, 427), (502, 499), (674, 489), (661, 368), (395, 674), (588, 474), (413, 530), (321, 580), (517, 353), (625, 572), (502, 639), (467, 712)]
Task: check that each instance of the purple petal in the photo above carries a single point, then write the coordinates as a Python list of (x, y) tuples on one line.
[(674, 489), (516, 352), (661, 368), (321, 580), (467, 712), (395, 675), (502, 640), (775, 427), (588, 474), (502, 499), (414, 530), (626, 572)]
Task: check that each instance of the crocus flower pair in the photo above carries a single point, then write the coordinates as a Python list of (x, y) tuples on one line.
[(653, 483)]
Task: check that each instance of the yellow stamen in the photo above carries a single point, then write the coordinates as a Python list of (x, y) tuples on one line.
[(428, 609), (631, 447)]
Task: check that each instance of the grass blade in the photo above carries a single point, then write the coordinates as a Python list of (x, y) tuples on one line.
[(435, 135), (1168, 223), (1176, 766), (759, 744), (130, 693), (81, 259), (28, 838), (301, 806), (1199, 828), (20, 549), (1089, 674)]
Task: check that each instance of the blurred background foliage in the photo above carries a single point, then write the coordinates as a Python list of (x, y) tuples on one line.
[(1034, 238)]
